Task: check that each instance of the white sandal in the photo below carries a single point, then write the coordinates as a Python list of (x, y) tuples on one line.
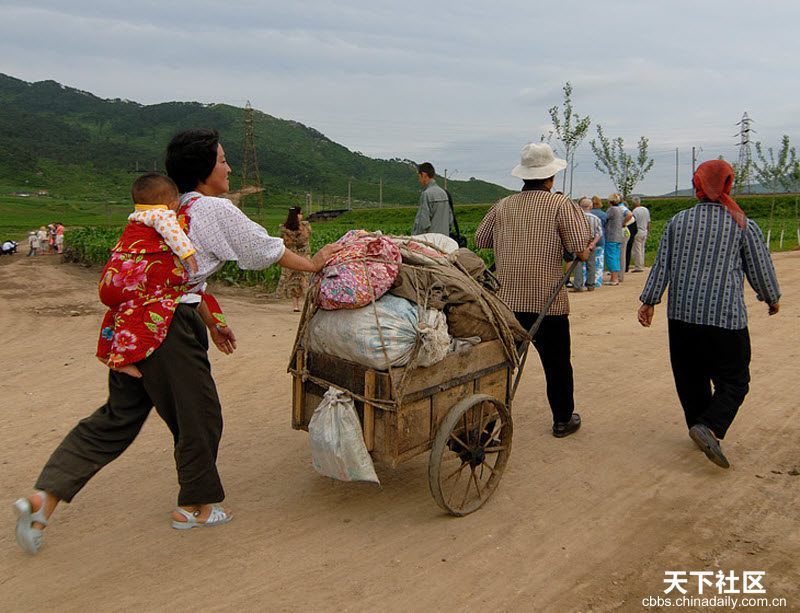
[(217, 517), (28, 537)]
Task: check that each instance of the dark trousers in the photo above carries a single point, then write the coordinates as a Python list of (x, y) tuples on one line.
[(177, 380), (706, 355), (633, 229), (552, 342)]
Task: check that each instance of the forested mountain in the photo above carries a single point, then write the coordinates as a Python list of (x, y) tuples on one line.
[(73, 143)]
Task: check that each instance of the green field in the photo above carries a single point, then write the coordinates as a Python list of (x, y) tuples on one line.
[(93, 227)]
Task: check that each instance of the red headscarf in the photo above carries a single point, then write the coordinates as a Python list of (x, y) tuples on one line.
[(713, 182)]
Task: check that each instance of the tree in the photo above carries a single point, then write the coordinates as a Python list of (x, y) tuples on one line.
[(776, 173), (624, 170), (570, 130), (741, 173)]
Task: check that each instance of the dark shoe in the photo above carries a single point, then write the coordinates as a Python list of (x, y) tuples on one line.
[(578, 289), (708, 443), (590, 288), (562, 429)]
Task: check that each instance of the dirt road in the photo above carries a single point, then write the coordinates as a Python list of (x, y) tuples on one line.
[(590, 522)]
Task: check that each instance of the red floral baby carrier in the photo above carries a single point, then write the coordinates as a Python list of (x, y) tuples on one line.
[(141, 284)]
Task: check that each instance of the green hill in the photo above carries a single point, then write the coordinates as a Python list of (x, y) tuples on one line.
[(77, 145)]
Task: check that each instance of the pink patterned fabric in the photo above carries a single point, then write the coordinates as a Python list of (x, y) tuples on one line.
[(361, 272)]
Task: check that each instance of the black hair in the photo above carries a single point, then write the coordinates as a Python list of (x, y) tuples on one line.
[(191, 156), (427, 168), (153, 188), (293, 219), (529, 184)]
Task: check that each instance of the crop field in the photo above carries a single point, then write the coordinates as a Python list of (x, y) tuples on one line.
[(93, 227)]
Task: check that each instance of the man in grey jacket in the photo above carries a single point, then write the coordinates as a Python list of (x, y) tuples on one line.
[(434, 213)]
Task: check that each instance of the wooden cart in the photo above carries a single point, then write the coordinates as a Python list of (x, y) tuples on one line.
[(459, 409)]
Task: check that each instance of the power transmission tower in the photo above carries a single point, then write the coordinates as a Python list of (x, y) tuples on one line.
[(250, 176), (745, 162)]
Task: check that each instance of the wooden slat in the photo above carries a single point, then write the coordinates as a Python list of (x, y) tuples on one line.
[(456, 366), (297, 396), (414, 425), (369, 410)]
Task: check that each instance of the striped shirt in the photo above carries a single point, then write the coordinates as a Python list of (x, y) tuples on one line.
[(704, 256), (529, 233)]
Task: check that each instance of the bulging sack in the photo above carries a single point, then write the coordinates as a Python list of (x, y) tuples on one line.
[(337, 443), (381, 335)]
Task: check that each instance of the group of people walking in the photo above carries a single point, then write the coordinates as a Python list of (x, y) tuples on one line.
[(46, 240), (182, 218)]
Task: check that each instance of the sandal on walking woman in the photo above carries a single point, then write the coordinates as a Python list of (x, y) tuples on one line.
[(216, 517), (28, 537)]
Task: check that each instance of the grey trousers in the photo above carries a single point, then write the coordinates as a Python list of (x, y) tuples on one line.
[(177, 380), (580, 280)]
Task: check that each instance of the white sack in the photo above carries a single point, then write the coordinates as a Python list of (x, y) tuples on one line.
[(337, 443), (353, 334)]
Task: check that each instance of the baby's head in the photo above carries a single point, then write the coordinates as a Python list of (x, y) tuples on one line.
[(155, 188)]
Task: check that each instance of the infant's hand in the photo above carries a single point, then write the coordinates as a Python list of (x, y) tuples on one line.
[(190, 263)]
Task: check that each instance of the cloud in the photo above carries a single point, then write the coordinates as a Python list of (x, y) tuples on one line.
[(462, 83)]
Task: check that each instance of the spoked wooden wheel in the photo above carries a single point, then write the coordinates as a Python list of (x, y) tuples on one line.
[(469, 454)]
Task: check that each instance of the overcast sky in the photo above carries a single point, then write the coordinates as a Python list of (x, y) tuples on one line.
[(462, 84)]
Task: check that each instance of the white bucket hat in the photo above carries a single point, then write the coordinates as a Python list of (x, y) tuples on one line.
[(538, 162)]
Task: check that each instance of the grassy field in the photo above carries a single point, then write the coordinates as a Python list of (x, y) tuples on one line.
[(93, 227)]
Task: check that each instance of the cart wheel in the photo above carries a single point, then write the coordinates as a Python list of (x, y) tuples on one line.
[(469, 454)]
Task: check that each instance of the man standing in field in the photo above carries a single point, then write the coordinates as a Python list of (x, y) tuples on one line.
[(642, 217), (434, 213), (529, 232), (704, 255)]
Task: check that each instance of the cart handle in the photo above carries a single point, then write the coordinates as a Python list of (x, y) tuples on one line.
[(535, 328)]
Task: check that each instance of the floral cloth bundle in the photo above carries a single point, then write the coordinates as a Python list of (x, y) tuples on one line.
[(361, 272)]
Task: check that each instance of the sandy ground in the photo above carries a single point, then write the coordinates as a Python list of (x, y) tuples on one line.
[(590, 522)]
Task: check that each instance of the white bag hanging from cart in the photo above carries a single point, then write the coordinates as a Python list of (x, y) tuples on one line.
[(337, 443)]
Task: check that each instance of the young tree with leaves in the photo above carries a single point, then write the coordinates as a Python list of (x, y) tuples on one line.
[(741, 173), (776, 173), (624, 170), (569, 129)]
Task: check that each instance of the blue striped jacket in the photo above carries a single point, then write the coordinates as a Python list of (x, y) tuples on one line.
[(704, 256)]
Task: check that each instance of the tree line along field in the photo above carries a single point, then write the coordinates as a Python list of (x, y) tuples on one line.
[(93, 227)]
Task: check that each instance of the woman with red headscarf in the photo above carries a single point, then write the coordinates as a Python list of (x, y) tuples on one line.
[(704, 255)]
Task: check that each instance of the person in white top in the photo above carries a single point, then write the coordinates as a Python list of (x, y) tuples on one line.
[(176, 376), (642, 216)]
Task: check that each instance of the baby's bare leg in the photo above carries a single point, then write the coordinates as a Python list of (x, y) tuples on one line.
[(131, 370)]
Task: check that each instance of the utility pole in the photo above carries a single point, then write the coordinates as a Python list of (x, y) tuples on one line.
[(349, 201), (380, 195), (455, 172), (250, 176), (676, 172), (745, 159)]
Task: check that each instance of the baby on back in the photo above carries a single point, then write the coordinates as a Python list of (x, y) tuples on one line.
[(145, 276)]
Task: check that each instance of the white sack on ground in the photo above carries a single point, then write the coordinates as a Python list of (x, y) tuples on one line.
[(354, 334), (337, 443)]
